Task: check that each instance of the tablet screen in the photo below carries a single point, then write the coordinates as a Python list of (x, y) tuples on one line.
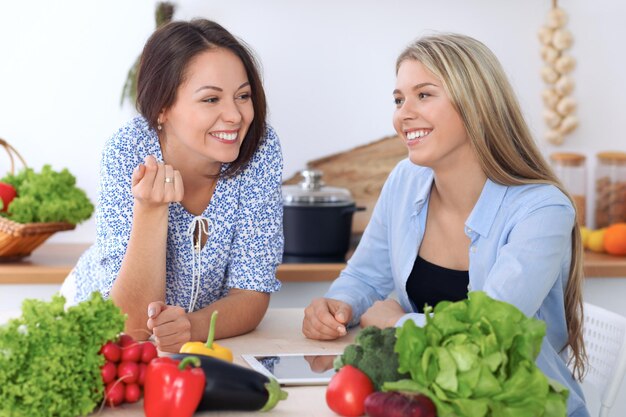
[(295, 369)]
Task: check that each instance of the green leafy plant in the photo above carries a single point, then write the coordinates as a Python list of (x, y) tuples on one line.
[(476, 358), (163, 14), (49, 360), (47, 196)]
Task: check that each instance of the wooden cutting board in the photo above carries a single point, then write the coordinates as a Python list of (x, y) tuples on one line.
[(363, 170)]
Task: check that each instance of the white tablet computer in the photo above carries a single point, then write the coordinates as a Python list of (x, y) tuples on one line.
[(295, 368)]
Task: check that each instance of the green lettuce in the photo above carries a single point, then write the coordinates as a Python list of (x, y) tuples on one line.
[(49, 361), (47, 196), (476, 358)]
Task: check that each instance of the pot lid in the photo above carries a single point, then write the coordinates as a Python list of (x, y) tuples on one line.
[(312, 191)]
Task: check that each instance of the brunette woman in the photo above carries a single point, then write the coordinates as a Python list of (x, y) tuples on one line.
[(189, 218)]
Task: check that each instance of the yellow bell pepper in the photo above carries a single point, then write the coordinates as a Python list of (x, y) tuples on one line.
[(209, 348)]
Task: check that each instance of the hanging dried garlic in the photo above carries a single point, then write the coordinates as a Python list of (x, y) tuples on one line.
[(560, 107)]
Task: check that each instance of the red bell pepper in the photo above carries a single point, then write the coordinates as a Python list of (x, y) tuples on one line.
[(171, 388)]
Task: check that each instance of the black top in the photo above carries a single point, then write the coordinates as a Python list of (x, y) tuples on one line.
[(430, 283)]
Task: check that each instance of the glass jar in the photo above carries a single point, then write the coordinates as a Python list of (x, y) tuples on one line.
[(571, 170), (610, 188)]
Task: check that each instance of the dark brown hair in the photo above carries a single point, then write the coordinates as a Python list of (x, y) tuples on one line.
[(162, 68)]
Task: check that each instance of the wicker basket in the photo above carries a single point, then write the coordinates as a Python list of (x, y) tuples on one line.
[(18, 240)]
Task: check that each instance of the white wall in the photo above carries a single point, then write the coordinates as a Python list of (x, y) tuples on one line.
[(328, 69)]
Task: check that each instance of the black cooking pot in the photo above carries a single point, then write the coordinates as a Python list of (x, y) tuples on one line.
[(317, 220)]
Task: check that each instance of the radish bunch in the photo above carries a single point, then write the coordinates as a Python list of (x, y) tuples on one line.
[(125, 368)]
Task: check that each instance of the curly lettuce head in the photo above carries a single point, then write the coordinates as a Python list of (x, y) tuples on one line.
[(47, 196), (49, 360)]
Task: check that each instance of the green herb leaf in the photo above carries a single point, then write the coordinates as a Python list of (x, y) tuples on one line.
[(49, 360)]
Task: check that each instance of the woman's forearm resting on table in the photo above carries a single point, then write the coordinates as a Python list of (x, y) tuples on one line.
[(240, 312), (141, 279)]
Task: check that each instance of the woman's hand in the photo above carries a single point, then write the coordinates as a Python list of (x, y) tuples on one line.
[(382, 314), (326, 319), (170, 326), (156, 184)]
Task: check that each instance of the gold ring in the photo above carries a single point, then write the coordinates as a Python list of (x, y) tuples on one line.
[(169, 179)]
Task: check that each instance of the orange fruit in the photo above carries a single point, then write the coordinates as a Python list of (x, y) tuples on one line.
[(615, 239)]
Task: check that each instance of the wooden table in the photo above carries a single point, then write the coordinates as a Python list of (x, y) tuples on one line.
[(51, 263), (279, 332)]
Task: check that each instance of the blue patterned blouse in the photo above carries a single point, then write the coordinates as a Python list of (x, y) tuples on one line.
[(245, 236)]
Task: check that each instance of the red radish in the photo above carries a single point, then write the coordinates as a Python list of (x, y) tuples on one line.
[(394, 404), (132, 393), (149, 352), (128, 372), (132, 353), (114, 393), (125, 340), (142, 374), (111, 352), (108, 372)]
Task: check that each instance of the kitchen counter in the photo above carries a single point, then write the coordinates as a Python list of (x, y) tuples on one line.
[(51, 263), (279, 332)]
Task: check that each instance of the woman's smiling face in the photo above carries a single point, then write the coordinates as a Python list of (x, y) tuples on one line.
[(426, 119), (213, 108)]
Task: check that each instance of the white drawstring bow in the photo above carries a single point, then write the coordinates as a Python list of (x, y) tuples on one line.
[(200, 225)]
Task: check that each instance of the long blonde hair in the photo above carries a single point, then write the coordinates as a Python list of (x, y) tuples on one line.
[(480, 91)]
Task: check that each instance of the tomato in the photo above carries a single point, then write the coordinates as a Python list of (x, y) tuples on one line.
[(7, 194), (347, 391)]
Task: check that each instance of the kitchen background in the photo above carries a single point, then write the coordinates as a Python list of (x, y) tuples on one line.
[(328, 68)]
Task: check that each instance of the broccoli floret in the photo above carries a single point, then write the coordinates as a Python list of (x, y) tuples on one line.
[(373, 353)]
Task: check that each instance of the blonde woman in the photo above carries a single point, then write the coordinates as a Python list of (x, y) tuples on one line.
[(475, 207)]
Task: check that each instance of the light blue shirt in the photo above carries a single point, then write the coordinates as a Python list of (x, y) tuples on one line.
[(520, 253)]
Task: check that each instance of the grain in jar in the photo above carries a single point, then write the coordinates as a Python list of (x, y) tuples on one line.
[(610, 188), (571, 170)]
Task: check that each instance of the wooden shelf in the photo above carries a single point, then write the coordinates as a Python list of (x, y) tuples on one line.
[(603, 265), (51, 263)]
